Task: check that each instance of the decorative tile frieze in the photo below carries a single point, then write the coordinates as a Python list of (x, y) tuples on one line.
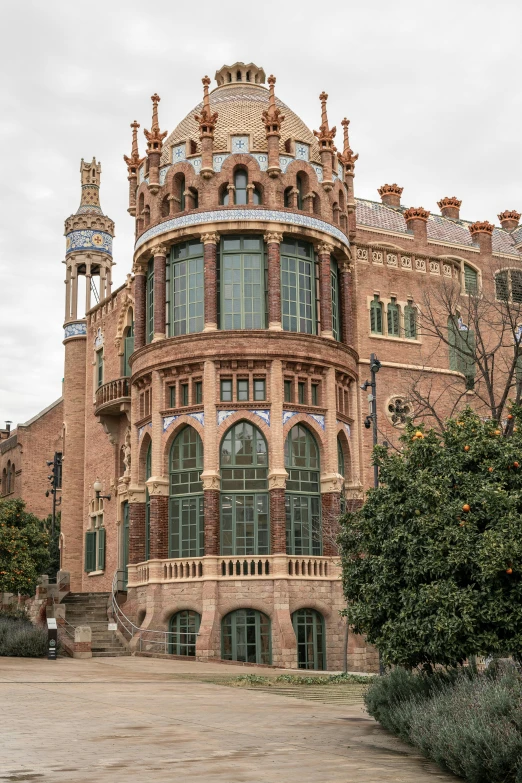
[(76, 329), (377, 256), (406, 262), (302, 151), (87, 239), (319, 171), (284, 162), (141, 430), (420, 264), (317, 417), (446, 270), (222, 415), (262, 159), (163, 174), (346, 427), (362, 254), (264, 415), (239, 144), (391, 259), (168, 420), (195, 163), (217, 161), (434, 268), (179, 153)]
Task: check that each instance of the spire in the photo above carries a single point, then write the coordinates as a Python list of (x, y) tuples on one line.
[(324, 134), (134, 162), (207, 118), (272, 116), (348, 158), (154, 136), (90, 177)]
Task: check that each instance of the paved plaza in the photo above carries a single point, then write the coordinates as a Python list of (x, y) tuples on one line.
[(146, 720)]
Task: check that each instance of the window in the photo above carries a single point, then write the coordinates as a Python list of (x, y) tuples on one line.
[(172, 396), (298, 287), (244, 497), (242, 283), (462, 349), (303, 499), (185, 287), (376, 316), (315, 394), (242, 390), (95, 539), (226, 390), (508, 286), (309, 631), (181, 193), (150, 302), (393, 319), (256, 196), (99, 368), (183, 633), (299, 189), (470, 280), (287, 197), (184, 393), (288, 391), (259, 389), (336, 311), (245, 636), (186, 528), (125, 545), (340, 457), (240, 185), (198, 393), (410, 322), (148, 473), (301, 393), (128, 349)]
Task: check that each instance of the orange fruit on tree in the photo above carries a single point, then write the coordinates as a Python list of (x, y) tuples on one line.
[(516, 465), (490, 470), (498, 432), (510, 416), (509, 570), (466, 448), (466, 507)]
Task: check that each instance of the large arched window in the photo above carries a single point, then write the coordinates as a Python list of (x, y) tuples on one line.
[(309, 630), (376, 326), (148, 472), (336, 310), (245, 636), (128, 346), (393, 318), (183, 632), (185, 289), (298, 287), (186, 528), (243, 283), (149, 322), (303, 498), (240, 187), (244, 496)]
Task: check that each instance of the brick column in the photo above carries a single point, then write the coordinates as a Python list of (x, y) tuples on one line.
[(211, 516), (160, 254), (140, 308), (325, 288), (273, 240), (331, 511), (277, 520), (210, 242), (136, 529), (159, 527), (345, 296)]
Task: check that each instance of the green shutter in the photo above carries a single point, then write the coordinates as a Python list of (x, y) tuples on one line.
[(376, 316), (393, 319), (128, 349), (501, 286), (410, 322), (470, 280), (101, 548), (90, 550)]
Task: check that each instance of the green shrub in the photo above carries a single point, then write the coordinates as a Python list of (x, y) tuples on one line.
[(19, 638)]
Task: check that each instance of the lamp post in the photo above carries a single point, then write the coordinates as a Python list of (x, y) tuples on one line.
[(55, 478), (371, 419), (97, 487)]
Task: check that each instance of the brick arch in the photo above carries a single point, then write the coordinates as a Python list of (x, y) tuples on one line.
[(311, 603), (177, 169), (300, 167), (243, 603), (123, 321), (170, 609), (173, 432), (237, 161), (253, 419), (315, 429), (347, 453), (146, 440)]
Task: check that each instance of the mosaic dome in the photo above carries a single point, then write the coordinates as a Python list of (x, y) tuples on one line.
[(240, 104)]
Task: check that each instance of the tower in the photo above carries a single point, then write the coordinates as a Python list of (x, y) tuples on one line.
[(89, 235)]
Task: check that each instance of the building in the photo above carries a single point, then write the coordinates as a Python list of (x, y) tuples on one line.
[(212, 404)]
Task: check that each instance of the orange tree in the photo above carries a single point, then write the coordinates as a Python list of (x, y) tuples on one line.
[(24, 548), (432, 562)]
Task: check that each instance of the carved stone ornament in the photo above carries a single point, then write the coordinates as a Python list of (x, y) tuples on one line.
[(416, 213), (272, 237), (136, 494), (211, 479), (210, 239), (159, 250), (158, 486), (481, 227), (323, 248), (126, 448), (393, 189), (277, 480), (449, 201), (332, 482)]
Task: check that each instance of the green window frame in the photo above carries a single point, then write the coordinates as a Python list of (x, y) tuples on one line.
[(259, 389), (172, 396), (186, 289), (508, 286), (376, 315), (246, 637), (243, 283), (301, 393), (299, 188), (336, 310), (186, 526), (226, 390), (243, 390), (393, 313), (95, 549), (148, 473), (184, 394), (128, 349), (183, 633), (410, 322), (470, 280), (287, 391), (461, 350), (315, 394), (340, 458), (298, 287), (240, 187), (149, 315), (311, 639), (198, 392), (99, 368), (245, 522), (302, 498)]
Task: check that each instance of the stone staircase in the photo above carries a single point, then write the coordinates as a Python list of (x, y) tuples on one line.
[(91, 609)]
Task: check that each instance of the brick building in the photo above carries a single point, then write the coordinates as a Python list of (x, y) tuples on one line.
[(215, 396)]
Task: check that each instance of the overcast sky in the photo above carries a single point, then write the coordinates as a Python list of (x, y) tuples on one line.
[(432, 89)]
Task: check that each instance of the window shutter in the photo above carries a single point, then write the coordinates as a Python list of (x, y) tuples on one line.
[(90, 550), (101, 548), (376, 317), (410, 322), (501, 286), (470, 280), (129, 348), (393, 320)]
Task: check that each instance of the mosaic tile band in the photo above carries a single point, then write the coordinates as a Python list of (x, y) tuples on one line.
[(87, 239), (77, 329)]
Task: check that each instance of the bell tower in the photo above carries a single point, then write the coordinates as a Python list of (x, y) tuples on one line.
[(88, 263)]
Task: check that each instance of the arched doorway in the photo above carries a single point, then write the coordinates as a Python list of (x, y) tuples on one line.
[(311, 644), (183, 630), (245, 636)]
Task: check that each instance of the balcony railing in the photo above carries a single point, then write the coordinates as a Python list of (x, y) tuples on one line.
[(230, 568), (113, 397)]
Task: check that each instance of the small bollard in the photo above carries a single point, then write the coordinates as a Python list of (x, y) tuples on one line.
[(52, 638)]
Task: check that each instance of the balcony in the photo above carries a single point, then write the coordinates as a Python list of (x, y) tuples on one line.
[(113, 398), (211, 568)]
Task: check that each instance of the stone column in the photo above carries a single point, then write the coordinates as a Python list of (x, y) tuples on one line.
[(273, 241), (136, 525), (325, 288), (140, 308), (160, 254), (345, 296), (210, 242)]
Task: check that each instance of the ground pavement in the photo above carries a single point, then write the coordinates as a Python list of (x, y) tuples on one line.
[(143, 720)]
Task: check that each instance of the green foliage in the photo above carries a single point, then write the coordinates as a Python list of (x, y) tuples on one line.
[(24, 548), (296, 679), (427, 580), (18, 637), (54, 545), (469, 723)]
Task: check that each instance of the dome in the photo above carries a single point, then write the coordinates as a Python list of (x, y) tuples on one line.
[(240, 105)]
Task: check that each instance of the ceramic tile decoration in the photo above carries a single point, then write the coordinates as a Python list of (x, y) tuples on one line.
[(318, 418), (239, 144), (217, 216), (284, 162), (262, 159), (141, 174), (142, 429), (98, 340), (346, 427), (178, 153), (265, 415), (87, 208), (287, 415), (319, 171), (217, 161), (199, 417), (76, 329), (163, 174), (222, 415), (302, 151), (87, 239), (167, 421), (196, 164)]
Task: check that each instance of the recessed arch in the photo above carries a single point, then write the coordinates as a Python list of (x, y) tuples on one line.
[(246, 636)]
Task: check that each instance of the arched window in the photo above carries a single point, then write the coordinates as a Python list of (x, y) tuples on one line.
[(470, 280), (302, 499), (240, 185), (300, 191), (309, 631), (336, 310), (186, 528), (298, 287), (4, 482), (13, 477), (245, 636), (393, 318), (128, 347), (9, 489), (376, 316), (462, 349), (340, 458), (165, 207), (148, 471), (287, 196), (141, 204), (244, 498), (183, 632), (508, 286), (243, 283), (410, 321), (181, 193), (185, 287), (150, 302), (256, 196)]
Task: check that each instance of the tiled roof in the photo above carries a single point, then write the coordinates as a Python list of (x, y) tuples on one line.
[(445, 230), (376, 215), (503, 241), (517, 235)]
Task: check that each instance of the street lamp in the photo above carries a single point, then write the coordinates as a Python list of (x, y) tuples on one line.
[(97, 487), (371, 419)]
